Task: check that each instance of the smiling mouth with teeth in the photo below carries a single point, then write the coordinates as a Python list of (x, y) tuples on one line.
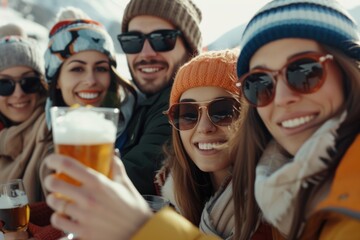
[(150, 70), (209, 146), (19, 105), (296, 122), (88, 95)]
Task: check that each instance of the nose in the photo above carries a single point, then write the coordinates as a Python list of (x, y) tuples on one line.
[(204, 124), (147, 50), (18, 92), (284, 95), (90, 78)]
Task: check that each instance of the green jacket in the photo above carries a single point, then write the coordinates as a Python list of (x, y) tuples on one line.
[(147, 131)]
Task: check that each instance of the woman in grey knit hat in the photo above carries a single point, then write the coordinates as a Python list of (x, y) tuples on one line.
[(21, 62), (23, 92)]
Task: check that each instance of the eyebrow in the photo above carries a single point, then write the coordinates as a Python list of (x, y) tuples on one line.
[(83, 62), (193, 100)]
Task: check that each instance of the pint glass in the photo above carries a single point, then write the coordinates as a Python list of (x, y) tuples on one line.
[(14, 207), (86, 134)]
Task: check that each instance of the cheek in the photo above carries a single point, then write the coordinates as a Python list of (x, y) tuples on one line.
[(2, 104), (185, 137), (264, 113), (107, 81)]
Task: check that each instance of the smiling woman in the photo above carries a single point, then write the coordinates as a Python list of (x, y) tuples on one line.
[(81, 66), (22, 98)]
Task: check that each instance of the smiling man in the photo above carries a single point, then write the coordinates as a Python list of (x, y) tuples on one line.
[(158, 36)]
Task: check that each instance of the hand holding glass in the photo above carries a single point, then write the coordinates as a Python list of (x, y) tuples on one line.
[(86, 134)]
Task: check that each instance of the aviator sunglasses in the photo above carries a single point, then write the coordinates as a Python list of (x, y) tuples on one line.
[(186, 115), (304, 74), (160, 40), (27, 84)]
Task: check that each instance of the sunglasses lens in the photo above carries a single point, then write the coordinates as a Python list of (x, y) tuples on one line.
[(131, 43), (163, 41), (258, 88), (7, 87), (305, 75), (184, 116), (30, 84), (223, 112)]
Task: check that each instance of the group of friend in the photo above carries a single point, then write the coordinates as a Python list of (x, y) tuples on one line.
[(260, 142)]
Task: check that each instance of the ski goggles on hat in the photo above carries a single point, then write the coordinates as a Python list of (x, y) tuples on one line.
[(185, 115), (160, 40), (304, 74), (27, 84)]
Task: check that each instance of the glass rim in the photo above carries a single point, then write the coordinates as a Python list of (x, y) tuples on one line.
[(12, 181), (100, 109)]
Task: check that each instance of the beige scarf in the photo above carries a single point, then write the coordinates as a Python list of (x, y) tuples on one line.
[(218, 215), (21, 151), (279, 179)]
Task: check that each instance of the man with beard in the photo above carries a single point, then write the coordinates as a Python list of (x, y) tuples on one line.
[(158, 36)]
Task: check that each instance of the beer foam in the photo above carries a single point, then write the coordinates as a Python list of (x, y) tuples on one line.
[(83, 127), (7, 202)]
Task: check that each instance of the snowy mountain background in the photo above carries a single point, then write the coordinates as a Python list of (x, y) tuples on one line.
[(38, 16)]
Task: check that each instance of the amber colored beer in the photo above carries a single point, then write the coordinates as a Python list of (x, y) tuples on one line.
[(15, 219), (95, 156)]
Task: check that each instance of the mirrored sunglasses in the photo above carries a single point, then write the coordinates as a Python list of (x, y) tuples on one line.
[(185, 115), (304, 74)]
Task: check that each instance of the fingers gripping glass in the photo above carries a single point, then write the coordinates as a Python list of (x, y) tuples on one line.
[(27, 84), (160, 40), (186, 115), (303, 74)]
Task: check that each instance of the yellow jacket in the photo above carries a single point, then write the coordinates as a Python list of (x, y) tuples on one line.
[(337, 217), (167, 224)]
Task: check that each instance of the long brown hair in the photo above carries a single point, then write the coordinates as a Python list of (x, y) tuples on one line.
[(254, 137), (195, 188)]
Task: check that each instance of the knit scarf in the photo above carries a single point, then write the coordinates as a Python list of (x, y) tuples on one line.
[(218, 215), (279, 179)]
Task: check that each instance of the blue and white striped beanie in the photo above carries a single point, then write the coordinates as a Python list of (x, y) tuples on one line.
[(69, 37), (324, 21)]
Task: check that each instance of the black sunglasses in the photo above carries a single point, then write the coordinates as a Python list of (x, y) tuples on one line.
[(303, 74), (186, 115), (160, 40), (27, 84)]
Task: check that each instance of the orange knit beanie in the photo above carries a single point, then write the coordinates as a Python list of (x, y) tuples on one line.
[(213, 68)]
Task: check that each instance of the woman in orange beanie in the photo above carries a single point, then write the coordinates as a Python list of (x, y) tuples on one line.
[(204, 103)]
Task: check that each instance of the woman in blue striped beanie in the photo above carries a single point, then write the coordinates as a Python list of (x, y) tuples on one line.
[(300, 70)]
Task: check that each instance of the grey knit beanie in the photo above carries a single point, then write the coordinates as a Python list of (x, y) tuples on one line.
[(19, 51), (183, 14)]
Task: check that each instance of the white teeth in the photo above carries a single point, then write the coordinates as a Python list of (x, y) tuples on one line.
[(208, 146), (292, 123), (88, 95), (150, 70), (19, 105)]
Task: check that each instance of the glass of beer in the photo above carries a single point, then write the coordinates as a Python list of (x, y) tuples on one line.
[(86, 134), (14, 207)]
